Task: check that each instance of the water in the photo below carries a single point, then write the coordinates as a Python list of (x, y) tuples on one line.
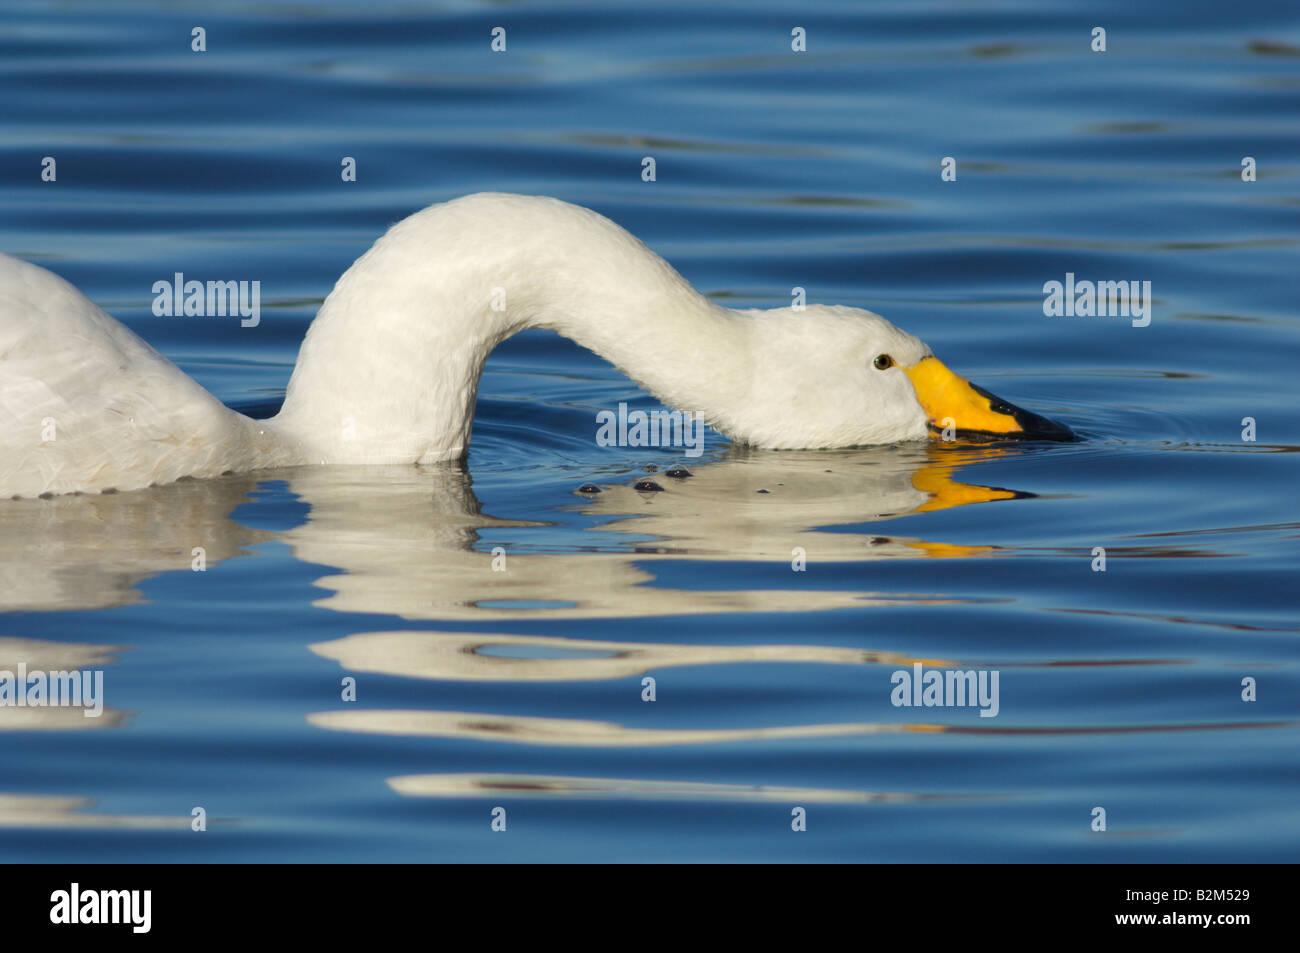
[(523, 689)]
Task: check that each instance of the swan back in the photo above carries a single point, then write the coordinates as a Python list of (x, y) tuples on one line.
[(86, 405)]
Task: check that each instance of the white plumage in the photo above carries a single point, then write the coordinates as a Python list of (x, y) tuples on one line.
[(388, 372)]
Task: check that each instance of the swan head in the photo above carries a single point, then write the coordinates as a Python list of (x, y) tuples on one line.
[(829, 376)]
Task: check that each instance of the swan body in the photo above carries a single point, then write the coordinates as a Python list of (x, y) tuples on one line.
[(388, 372)]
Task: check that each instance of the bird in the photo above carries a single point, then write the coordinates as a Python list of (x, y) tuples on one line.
[(388, 371)]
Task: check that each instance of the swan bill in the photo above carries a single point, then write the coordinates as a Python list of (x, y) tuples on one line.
[(951, 402)]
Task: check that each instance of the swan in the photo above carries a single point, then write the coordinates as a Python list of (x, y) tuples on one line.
[(388, 371)]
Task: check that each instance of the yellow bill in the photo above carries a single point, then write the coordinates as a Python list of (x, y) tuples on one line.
[(953, 404)]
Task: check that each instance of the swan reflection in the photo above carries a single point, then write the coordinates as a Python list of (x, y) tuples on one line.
[(44, 656), (493, 657), (60, 811), (91, 551), (572, 732), (416, 543), (410, 541), (543, 786)]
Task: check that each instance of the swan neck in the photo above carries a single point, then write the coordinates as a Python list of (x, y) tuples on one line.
[(389, 370)]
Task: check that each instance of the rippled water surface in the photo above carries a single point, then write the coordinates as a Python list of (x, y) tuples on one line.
[(523, 689)]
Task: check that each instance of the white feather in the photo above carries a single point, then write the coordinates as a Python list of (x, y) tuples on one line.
[(388, 372)]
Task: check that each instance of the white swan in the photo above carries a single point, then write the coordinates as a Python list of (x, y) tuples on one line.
[(389, 370)]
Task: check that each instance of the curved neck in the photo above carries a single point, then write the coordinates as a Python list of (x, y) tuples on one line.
[(389, 370)]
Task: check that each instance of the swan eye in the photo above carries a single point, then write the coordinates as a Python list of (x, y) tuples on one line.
[(883, 362)]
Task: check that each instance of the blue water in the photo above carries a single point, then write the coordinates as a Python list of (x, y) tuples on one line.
[(522, 689)]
